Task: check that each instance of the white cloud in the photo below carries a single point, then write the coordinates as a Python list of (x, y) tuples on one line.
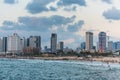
[(69, 41)]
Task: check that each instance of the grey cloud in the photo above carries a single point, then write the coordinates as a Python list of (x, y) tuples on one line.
[(53, 9), (9, 25), (75, 27), (107, 1), (37, 23), (70, 9), (112, 14), (10, 1), (37, 6), (70, 2)]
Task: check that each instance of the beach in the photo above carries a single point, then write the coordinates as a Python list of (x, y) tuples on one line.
[(99, 59)]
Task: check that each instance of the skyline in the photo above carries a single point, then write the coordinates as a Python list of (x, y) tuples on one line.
[(54, 40), (69, 19)]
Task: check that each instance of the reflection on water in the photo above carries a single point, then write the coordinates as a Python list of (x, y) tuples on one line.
[(12, 69)]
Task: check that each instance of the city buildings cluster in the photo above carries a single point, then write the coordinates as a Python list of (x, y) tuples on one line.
[(16, 44), (103, 44)]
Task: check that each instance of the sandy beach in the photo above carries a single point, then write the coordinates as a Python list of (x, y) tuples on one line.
[(99, 59)]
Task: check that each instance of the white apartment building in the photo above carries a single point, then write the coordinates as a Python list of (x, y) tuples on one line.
[(14, 44), (89, 40)]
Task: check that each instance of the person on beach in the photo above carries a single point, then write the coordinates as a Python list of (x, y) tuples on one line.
[(108, 65)]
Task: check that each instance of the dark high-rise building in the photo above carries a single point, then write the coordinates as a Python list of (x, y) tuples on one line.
[(53, 42), (38, 41), (4, 44), (102, 41), (27, 42)]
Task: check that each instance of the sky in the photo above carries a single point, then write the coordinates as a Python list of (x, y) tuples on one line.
[(70, 19)]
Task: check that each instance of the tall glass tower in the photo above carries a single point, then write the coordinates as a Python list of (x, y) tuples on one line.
[(102, 41), (89, 40), (53, 42)]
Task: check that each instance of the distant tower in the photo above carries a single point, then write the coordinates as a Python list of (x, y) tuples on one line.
[(102, 41), (89, 40), (38, 41), (60, 46), (110, 46), (4, 44), (1, 45), (23, 43), (53, 42), (82, 46)]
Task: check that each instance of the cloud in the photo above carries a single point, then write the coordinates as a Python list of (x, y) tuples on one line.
[(69, 41), (76, 26), (37, 6), (69, 38), (9, 25), (37, 23), (112, 14), (27, 26), (53, 8), (73, 8), (40, 26), (10, 1), (107, 1), (70, 5), (70, 2)]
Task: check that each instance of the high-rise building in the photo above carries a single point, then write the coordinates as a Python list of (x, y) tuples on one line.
[(38, 41), (23, 43), (82, 45), (97, 46), (4, 44), (32, 41), (14, 44), (53, 42), (102, 41), (27, 42), (60, 46), (89, 40), (116, 46), (45, 48), (33, 45), (110, 46), (35, 42), (0, 45)]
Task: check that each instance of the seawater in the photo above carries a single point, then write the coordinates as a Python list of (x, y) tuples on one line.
[(25, 69)]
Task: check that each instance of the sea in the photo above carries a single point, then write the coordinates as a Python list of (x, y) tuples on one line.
[(28, 69)]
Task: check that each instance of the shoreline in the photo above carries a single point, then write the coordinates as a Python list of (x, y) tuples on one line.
[(98, 59)]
